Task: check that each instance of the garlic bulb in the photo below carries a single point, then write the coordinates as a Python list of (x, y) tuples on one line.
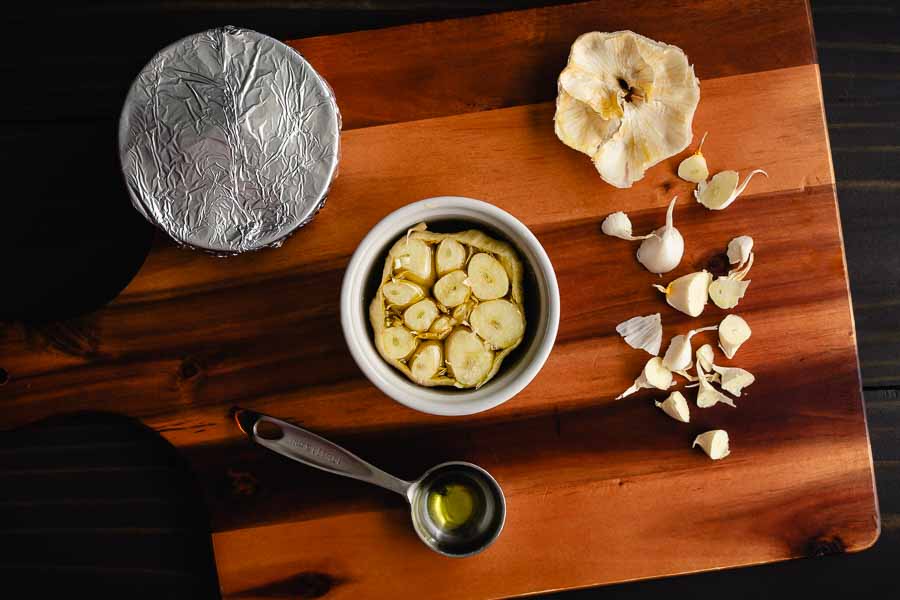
[(688, 293), (642, 333), (654, 375), (676, 407), (714, 443), (662, 250), (722, 189), (627, 102), (694, 168), (733, 331), (618, 225)]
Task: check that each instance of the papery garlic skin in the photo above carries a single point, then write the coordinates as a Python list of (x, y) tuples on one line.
[(642, 333), (739, 250), (618, 225), (734, 379), (676, 406), (715, 443), (627, 101)]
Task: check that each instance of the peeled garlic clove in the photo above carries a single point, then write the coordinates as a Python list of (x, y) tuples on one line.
[(722, 189), (678, 355), (449, 256), (705, 356), (440, 329), (420, 315), (402, 293), (654, 375), (451, 289), (694, 168), (427, 361), (499, 322), (676, 407), (733, 331), (688, 293), (714, 443), (412, 258), (734, 379), (618, 225), (726, 292), (642, 333), (627, 101), (468, 359), (398, 342), (662, 250), (739, 250), (487, 277)]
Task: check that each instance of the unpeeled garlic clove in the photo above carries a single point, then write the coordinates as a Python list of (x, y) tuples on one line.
[(722, 189), (642, 333), (678, 354), (714, 443), (662, 250), (676, 407)]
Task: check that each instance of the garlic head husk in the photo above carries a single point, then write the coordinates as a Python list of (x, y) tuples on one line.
[(642, 333), (714, 443), (663, 249), (627, 101)]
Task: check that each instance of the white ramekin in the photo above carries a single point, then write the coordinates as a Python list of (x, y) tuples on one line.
[(541, 302)]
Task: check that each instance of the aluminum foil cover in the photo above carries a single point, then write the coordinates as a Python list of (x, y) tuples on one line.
[(229, 141)]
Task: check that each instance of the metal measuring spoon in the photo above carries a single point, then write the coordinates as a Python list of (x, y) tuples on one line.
[(476, 534)]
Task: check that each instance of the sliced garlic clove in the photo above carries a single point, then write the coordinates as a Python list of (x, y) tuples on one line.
[(722, 189), (398, 342), (733, 331), (662, 250), (499, 322), (642, 333), (694, 168), (412, 258), (726, 292), (427, 361), (689, 293), (451, 289), (420, 315), (618, 225), (714, 443), (440, 329), (487, 277), (399, 293), (449, 256), (734, 379), (739, 250), (676, 407), (654, 375), (468, 359)]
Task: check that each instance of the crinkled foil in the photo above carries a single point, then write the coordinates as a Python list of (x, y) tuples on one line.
[(229, 141)]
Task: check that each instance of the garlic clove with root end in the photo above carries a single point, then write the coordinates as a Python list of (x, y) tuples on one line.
[(678, 355), (739, 250), (734, 379), (642, 333), (694, 168), (618, 225), (688, 293), (733, 331), (662, 250), (714, 443), (654, 375), (676, 407), (722, 189)]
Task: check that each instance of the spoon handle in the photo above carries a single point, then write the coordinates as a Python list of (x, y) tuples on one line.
[(312, 450)]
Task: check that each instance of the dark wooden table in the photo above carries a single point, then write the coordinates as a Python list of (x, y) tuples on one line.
[(97, 502)]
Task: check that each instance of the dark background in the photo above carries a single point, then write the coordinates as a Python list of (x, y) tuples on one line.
[(100, 505)]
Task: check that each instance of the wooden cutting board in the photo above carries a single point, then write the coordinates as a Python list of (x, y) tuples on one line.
[(599, 491)]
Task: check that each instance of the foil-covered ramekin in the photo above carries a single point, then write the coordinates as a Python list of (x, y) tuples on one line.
[(229, 141)]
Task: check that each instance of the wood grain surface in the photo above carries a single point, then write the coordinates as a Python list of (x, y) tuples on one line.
[(193, 335)]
